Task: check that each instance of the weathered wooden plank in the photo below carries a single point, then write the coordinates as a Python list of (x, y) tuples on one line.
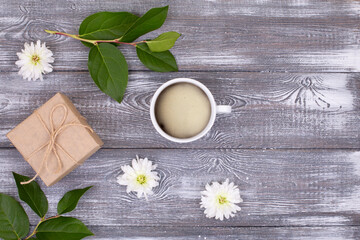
[(270, 110), (229, 233), (295, 36), (279, 187)]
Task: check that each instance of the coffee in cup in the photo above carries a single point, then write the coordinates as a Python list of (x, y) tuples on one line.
[(182, 110)]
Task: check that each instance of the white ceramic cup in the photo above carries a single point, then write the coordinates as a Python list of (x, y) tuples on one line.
[(215, 109)]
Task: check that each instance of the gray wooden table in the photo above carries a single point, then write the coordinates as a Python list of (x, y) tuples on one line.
[(290, 71)]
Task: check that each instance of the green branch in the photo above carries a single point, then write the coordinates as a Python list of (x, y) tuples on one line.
[(41, 221), (95, 42)]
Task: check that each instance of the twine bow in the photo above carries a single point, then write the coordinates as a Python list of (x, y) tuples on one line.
[(51, 144)]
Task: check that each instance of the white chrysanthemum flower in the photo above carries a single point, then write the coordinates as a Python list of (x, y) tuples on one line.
[(219, 200), (139, 177), (34, 60)]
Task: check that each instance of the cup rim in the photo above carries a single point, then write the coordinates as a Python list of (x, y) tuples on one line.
[(183, 80)]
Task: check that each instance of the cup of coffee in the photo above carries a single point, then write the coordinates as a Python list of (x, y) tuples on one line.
[(183, 110)]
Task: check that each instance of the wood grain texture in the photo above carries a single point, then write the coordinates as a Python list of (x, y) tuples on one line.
[(229, 233), (248, 35), (270, 110), (279, 187), (307, 188)]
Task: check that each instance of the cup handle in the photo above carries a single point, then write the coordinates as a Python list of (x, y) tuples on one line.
[(223, 109)]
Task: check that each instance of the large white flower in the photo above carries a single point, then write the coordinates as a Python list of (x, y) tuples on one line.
[(139, 177), (219, 200), (34, 60)]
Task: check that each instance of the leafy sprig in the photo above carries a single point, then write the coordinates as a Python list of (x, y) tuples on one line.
[(14, 222), (104, 31)]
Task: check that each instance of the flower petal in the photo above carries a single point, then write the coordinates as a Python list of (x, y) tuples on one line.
[(139, 167), (227, 207), (34, 69)]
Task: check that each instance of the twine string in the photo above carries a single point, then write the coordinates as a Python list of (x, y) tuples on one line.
[(52, 145)]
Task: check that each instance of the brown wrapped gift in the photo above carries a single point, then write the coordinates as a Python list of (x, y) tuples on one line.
[(55, 139)]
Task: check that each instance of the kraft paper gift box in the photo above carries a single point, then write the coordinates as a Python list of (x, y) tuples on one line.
[(55, 139)]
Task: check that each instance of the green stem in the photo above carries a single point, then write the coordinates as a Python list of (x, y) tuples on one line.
[(95, 42), (41, 220)]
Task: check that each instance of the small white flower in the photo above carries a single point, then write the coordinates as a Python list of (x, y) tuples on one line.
[(139, 177), (34, 60), (219, 200)]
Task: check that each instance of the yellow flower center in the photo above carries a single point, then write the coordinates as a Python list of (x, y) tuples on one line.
[(141, 179), (35, 59), (222, 200)]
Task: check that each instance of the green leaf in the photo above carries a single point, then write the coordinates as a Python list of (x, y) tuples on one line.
[(62, 228), (150, 21), (32, 194), (70, 200), (14, 223), (156, 61), (109, 70), (163, 42), (106, 26)]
